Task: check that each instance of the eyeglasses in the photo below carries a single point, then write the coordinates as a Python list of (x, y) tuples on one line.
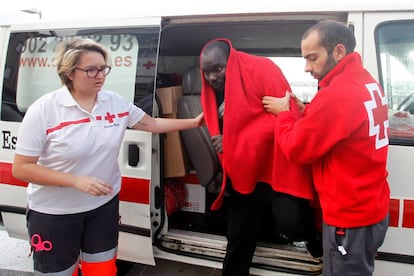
[(92, 72)]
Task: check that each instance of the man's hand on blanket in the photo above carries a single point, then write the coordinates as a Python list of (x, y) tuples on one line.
[(300, 104), (276, 105), (217, 141)]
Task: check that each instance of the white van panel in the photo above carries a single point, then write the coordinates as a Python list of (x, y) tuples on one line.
[(12, 223), (143, 141), (135, 248)]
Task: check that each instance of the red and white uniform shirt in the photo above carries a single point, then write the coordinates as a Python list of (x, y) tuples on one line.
[(69, 139)]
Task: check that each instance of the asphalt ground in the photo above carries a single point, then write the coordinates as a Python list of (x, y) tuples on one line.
[(14, 256)]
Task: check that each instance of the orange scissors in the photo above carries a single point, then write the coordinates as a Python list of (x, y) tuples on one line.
[(40, 245)]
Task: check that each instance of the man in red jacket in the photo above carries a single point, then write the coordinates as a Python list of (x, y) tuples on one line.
[(343, 134), (257, 176)]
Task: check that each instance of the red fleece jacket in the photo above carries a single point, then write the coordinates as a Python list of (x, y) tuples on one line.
[(344, 135), (250, 151)]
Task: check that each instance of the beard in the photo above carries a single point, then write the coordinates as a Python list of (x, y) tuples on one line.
[(329, 65)]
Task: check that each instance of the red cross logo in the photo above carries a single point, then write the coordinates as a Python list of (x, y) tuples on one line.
[(109, 117), (148, 64), (377, 110)]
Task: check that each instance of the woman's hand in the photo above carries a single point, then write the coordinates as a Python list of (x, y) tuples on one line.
[(92, 185), (200, 119), (163, 125), (26, 168)]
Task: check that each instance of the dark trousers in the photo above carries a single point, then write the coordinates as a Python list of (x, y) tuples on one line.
[(245, 214), (351, 251), (67, 236)]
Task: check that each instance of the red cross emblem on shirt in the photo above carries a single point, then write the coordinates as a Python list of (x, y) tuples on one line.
[(377, 109), (109, 117)]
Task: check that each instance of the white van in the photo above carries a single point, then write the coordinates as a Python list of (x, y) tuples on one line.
[(169, 181)]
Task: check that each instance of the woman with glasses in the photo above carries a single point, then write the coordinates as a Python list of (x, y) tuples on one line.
[(67, 150)]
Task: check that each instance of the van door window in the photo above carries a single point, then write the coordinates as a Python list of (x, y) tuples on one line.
[(395, 43), (30, 71)]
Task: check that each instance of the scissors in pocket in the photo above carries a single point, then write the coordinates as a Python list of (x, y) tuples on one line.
[(40, 245)]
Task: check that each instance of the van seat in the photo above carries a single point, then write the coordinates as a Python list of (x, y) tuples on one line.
[(197, 141)]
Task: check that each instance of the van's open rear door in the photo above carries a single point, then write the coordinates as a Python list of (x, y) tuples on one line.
[(29, 72)]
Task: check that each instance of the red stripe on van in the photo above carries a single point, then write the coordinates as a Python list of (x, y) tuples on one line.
[(6, 176), (408, 215), (133, 189), (394, 212)]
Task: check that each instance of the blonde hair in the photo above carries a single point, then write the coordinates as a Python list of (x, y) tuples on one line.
[(68, 54)]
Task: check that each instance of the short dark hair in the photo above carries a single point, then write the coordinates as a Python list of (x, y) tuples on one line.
[(332, 33), (221, 45)]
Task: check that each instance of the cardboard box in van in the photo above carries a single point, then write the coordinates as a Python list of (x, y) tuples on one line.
[(168, 97), (175, 163)]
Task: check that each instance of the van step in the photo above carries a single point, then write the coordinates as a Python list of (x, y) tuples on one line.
[(294, 257)]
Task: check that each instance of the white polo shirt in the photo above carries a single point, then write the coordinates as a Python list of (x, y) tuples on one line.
[(69, 139)]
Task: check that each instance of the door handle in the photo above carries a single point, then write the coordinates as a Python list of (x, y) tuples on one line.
[(133, 155)]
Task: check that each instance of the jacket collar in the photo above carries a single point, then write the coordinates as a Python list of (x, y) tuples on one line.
[(352, 60)]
